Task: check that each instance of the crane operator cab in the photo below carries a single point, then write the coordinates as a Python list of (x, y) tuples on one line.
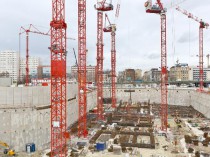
[(203, 24), (150, 8), (104, 6)]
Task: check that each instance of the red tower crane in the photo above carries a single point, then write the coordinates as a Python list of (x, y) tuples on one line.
[(101, 6), (158, 9), (201, 27), (112, 29), (82, 92), (31, 29), (59, 134)]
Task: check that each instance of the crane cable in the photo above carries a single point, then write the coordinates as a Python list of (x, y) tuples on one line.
[(189, 40), (173, 91), (173, 35)]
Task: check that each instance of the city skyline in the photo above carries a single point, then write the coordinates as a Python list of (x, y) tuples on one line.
[(136, 45), (104, 78)]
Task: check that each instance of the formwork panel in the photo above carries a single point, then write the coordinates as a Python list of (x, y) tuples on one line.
[(3, 96), (18, 96)]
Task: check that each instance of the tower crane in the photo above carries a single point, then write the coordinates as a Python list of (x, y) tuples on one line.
[(82, 92), (111, 28), (58, 50), (31, 29), (101, 6), (159, 9), (201, 27)]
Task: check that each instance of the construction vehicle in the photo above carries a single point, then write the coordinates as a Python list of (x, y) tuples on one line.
[(7, 150)]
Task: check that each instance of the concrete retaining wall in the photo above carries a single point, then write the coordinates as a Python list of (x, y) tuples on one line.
[(6, 82), (184, 97), (21, 123), (201, 102)]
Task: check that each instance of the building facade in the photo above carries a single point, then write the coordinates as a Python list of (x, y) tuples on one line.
[(120, 76), (138, 74), (106, 78), (179, 72), (129, 75), (91, 73), (33, 64), (43, 72), (153, 75), (9, 64), (146, 76), (194, 74)]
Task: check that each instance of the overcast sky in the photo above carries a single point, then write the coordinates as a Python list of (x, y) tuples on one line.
[(137, 36)]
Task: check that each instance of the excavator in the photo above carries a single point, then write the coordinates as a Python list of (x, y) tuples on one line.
[(7, 149)]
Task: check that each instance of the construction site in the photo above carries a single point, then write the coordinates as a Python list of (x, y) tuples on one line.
[(67, 119)]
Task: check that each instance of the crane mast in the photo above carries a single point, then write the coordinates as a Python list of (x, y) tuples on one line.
[(100, 7), (112, 29), (27, 57), (82, 92), (164, 75), (201, 27), (113, 66), (201, 78), (158, 9), (99, 66), (58, 80)]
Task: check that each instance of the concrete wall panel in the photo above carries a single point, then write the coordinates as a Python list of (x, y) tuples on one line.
[(3, 96), (17, 96), (25, 124)]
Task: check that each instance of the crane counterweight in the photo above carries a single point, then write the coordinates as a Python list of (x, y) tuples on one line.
[(104, 6), (154, 8)]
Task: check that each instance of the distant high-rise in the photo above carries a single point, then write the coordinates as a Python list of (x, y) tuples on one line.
[(43, 72), (194, 74), (91, 73), (9, 64), (33, 63)]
